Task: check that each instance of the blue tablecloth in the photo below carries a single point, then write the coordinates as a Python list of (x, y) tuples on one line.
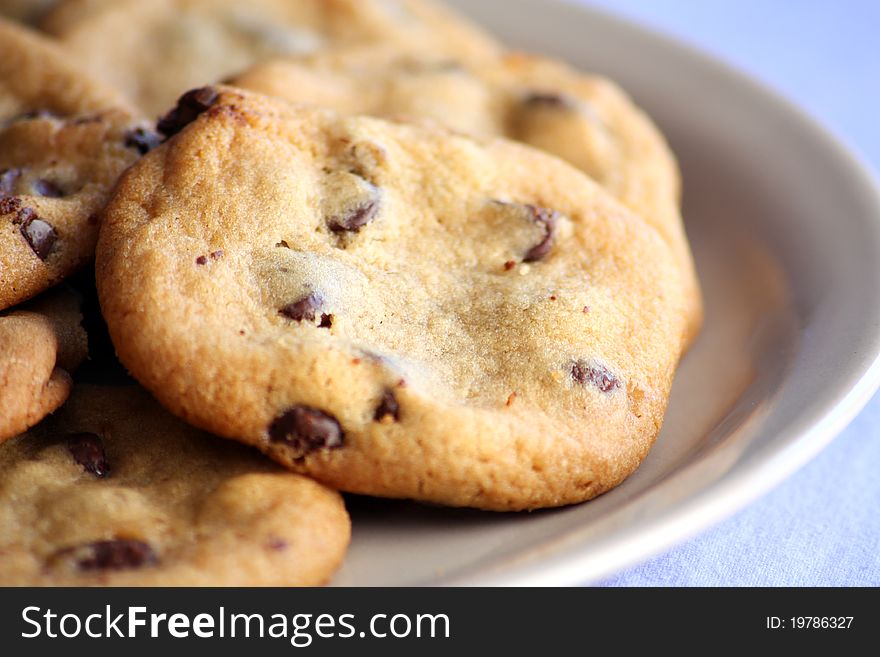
[(822, 526)]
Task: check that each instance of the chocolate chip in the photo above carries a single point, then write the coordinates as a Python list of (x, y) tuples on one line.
[(388, 410), (510, 264), (354, 219), (8, 178), (595, 374), (304, 309), (326, 321), (9, 204), (306, 430), (39, 234), (142, 140), (43, 187), (118, 554), (202, 260), (216, 255), (87, 449), (277, 544), (547, 99), (189, 106), (547, 219)]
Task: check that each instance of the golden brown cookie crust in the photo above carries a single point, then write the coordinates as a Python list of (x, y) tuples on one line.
[(41, 344), (115, 492), (64, 140), (155, 50), (394, 310), (585, 119)]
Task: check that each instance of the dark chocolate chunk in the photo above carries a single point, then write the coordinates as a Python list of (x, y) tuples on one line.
[(118, 554), (189, 106), (593, 373), (388, 409), (356, 218), (304, 309), (547, 99), (8, 178), (547, 219), (39, 234), (9, 204), (306, 430), (326, 321), (87, 449), (202, 260), (43, 187), (142, 140)]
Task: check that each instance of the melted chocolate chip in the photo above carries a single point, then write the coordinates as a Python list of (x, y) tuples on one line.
[(119, 554), (306, 430), (594, 374), (304, 309), (87, 449), (546, 99), (190, 105), (8, 178), (547, 219), (39, 235), (356, 218), (388, 410), (142, 140), (43, 187)]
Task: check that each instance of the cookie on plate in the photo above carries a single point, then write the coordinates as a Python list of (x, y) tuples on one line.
[(156, 49), (41, 344), (64, 140), (392, 309), (585, 119), (114, 491)]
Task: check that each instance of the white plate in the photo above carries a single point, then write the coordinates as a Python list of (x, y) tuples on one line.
[(786, 231)]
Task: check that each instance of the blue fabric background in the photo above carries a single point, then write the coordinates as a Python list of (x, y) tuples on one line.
[(822, 526)]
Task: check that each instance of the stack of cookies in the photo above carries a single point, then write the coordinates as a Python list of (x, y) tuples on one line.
[(380, 253)]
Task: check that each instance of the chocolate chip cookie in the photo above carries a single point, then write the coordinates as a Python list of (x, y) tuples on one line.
[(114, 491), (392, 309), (156, 49), (585, 119), (41, 344), (64, 140)]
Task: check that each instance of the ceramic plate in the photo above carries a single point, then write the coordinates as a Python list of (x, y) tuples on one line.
[(785, 227)]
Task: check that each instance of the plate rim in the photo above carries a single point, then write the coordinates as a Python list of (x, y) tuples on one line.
[(743, 484)]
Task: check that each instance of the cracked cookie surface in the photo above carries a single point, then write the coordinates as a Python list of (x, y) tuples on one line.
[(585, 119), (392, 309), (114, 491)]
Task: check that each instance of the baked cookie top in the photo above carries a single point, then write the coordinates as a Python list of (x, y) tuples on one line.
[(392, 309), (585, 119), (114, 491), (64, 140), (155, 50), (41, 344)]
